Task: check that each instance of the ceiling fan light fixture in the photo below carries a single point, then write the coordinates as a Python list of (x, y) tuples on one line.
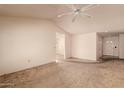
[(78, 11)]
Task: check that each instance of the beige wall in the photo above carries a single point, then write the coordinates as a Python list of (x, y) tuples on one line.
[(68, 45), (84, 46), (121, 46), (25, 43), (60, 43), (99, 49)]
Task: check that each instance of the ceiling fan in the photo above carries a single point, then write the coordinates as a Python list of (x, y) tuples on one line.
[(76, 11)]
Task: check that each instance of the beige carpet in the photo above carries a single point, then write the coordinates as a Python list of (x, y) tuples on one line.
[(68, 75)]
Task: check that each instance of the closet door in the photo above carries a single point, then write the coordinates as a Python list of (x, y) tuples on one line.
[(115, 46), (107, 46)]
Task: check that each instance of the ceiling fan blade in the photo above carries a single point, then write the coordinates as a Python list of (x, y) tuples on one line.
[(64, 14), (85, 14), (74, 18), (89, 7), (71, 6)]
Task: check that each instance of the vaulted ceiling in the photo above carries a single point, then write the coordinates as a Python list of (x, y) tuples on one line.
[(43, 11), (105, 17)]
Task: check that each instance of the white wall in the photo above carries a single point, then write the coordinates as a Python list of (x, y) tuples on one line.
[(99, 46), (25, 43), (84, 46), (60, 43), (68, 45), (121, 46), (109, 44)]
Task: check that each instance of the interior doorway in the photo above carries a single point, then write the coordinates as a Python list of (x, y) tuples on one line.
[(108, 45), (60, 46)]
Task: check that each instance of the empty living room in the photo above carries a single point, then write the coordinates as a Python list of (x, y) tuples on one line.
[(61, 45)]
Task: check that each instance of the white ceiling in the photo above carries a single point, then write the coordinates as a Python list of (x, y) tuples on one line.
[(29, 10), (47, 11), (105, 17)]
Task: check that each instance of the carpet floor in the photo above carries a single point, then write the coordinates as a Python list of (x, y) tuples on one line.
[(68, 75)]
